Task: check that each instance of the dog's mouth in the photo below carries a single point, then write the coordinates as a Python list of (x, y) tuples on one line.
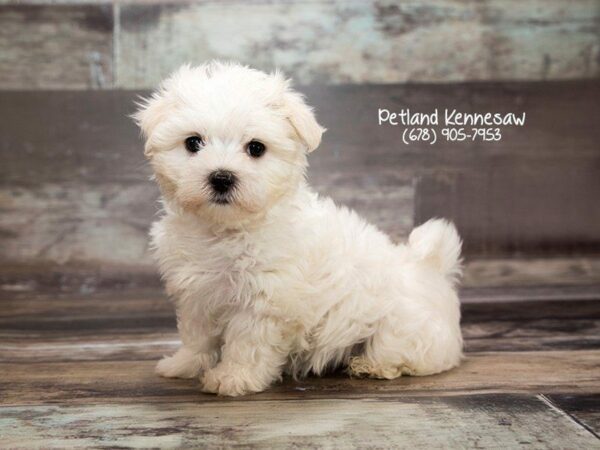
[(221, 199)]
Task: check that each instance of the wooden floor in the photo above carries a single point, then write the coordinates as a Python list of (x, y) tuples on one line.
[(77, 371)]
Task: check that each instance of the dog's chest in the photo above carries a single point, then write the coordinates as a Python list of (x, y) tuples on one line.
[(212, 270)]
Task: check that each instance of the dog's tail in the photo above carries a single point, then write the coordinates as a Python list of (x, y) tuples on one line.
[(437, 243)]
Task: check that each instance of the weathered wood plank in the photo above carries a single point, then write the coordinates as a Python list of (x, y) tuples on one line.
[(84, 175), (108, 346), (583, 408), (78, 187), (24, 310), (117, 342), (45, 281), (492, 281), (56, 319), (489, 207), (30, 311), (71, 143), (85, 382), (56, 46), (534, 336), (557, 275), (152, 339), (70, 46), (364, 41), (483, 421), (529, 311), (504, 196)]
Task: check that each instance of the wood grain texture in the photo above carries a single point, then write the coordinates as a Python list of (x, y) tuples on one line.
[(510, 421), (69, 45), (557, 275), (375, 41), (583, 408), (521, 195), (490, 281), (127, 340), (139, 324), (77, 371), (56, 46), (82, 382), (70, 186), (492, 194)]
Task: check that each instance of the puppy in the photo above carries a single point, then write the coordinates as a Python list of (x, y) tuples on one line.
[(268, 277)]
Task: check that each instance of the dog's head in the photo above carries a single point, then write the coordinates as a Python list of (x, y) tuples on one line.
[(225, 141)]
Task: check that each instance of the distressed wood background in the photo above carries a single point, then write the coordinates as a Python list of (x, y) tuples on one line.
[(75, 188), (74, 183), (84, 44)]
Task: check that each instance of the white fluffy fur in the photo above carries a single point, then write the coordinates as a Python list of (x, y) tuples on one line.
[(282, 280)]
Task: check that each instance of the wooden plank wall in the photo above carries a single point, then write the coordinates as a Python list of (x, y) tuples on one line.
[(75, 187), (74, 183), (536, 191), (74, 44)]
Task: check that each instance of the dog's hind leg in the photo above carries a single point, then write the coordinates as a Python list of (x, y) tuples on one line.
[(426, 346), (382, 356), (388, 355)]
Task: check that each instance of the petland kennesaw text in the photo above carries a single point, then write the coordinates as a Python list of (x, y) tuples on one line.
[(451, 117)]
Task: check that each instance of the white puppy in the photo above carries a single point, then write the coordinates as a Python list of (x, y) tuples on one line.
[(267, 276)]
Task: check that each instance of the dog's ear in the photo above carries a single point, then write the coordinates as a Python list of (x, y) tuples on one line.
[(302, 118), (150, 112), (153, 110)]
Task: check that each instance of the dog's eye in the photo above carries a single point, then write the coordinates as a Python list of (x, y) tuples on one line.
[(256, 149), (194, 144)]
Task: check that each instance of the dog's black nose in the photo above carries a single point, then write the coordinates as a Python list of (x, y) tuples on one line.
[(222, 180)]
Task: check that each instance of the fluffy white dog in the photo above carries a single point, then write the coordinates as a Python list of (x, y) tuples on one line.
[(267, 276)]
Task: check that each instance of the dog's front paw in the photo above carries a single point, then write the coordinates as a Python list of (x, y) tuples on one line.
[(231, 381), (184, 364)]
